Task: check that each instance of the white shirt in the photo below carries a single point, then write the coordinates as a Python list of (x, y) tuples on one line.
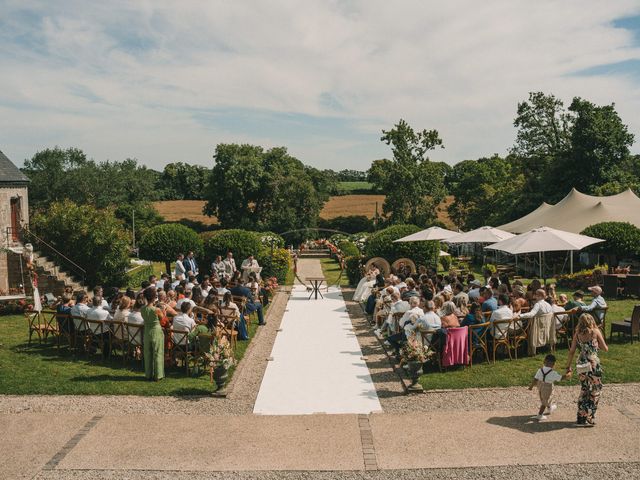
[(550, 377), (179, 270), (411, 315), (182, 322), (500, 313), (430, 320), (135, 318), (181, 301), (79, 310), (160, 284), (98, 314), (540, 308), (222, 290), (559, 318), (120, 316)]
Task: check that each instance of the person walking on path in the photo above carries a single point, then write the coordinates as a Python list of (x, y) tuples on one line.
[(153, 338), (589, 339), (544, 379)]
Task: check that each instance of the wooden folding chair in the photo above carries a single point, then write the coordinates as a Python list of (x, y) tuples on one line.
[(135, 341), (94, 335), (565, 329), (600, 316), (37, 325), (65, 329), (501, 334), (241, 302), (227, 323), (180, 347), (431, 346), (478, 340), (519, 333), (119, 339), (80, 334), (50, 324)]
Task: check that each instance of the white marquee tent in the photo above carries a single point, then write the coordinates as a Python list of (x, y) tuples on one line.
[(577, 211)]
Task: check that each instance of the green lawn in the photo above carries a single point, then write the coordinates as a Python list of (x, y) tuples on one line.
[(42, 369), (331, 271), (353, 186)]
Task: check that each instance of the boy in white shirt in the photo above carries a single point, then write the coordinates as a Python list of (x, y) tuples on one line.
[(545, 378)]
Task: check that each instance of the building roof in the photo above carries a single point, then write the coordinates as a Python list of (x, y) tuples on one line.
[(9, 173), (577, 211)]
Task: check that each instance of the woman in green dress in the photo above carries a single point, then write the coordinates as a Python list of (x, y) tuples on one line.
[(153, 338)]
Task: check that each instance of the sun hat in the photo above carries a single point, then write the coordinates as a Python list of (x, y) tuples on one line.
[(596, 289)]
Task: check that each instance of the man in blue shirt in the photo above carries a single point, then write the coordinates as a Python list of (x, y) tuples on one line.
[(489, 303)]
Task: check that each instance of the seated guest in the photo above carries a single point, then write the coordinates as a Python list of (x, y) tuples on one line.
[(494, 284), (518, 302), (222, 289), (366, 283), (229, 308), (462, 307), (171, 298), (428, 289), (248, 266), (197, 296), (253, 285), (551, 291), (473, 317), (186, 298), (135, 320), (205, 285), (217, 268), (371, 300), (397, 306), (253, 304), (438, 301), (458, 292), (65, 324), (80, 309), (488, 301), (428, 321), (99, 292), (449, 318), (191, 283), (541, 307), (504, 280), (474, 291), (97, 313), (165, 309), (410, 290), (410, 316), (211, 304), (563, 299), (183, 322), (502, 312), (557, 309), (577, 301), (597, 304), (164, 282)]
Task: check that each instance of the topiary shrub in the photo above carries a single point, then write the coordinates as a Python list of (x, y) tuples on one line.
[(352, 265), (270, 239), (276, 264), (241, 242), (348, 248), (622, 239), (380, 244), (94, 239), (163, 243)]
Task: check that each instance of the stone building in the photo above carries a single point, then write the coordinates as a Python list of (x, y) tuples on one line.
[(14, 213)]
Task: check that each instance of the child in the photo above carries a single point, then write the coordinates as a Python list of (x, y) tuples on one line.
[(544, 378)]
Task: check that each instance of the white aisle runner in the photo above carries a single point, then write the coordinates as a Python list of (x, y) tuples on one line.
[(317, 365)]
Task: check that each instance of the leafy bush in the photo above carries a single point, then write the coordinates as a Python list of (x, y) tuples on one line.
[(276, 265), (348, 248), (380, 244), (138, 275), (348, 224), (622, 239), (353, 269), (445, 261), (94, 239), (582, 279), (163, 243), (241, 242), (490, 269), (270, 239)]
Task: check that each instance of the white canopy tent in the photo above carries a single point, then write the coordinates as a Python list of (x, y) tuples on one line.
[(481, 235), (544, 239), (428, 234)]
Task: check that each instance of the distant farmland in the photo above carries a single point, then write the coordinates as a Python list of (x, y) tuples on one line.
[(340, 206)]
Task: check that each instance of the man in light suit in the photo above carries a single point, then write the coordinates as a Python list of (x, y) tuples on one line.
[(229, 266), (180, 271)]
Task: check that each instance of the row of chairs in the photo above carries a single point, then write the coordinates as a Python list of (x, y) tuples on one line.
[(84, 336)]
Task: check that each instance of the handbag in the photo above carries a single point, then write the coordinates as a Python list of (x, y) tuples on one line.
[(583, 367)]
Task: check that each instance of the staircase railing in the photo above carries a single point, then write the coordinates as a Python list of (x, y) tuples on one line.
[(67, 261)]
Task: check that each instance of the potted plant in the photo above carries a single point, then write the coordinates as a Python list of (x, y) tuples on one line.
[(220, 358), (414, 354)]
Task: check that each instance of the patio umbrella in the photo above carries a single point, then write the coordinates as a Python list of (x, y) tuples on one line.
[(484, 234), (431, 233), (544, 239)]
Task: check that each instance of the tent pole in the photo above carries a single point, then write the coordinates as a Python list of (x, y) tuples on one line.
[(571, 262), (540, 262)]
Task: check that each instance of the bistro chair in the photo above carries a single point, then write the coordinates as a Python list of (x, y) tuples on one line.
[(520, 333), (119, 341), (500, 330), (227, 323), (135, 341), (180, 347), (632, 285), (629, 326), (478, 340)]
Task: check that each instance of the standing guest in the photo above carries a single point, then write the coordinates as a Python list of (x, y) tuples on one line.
[(190, 264), (97, 313), (153, 338), (180, 270), (597, 305), (247, 266), (217, 267), (80, 309), (588, 338), (230, 267)]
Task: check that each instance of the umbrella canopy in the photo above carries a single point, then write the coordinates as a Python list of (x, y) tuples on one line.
[(444, 254), (431, 233), (544, 239), (481, 235)]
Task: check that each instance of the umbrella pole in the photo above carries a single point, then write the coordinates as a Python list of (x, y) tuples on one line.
[(540, 262), (571, 261)]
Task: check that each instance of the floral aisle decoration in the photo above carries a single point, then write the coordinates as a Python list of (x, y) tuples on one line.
[(220, 358), (414, 354)]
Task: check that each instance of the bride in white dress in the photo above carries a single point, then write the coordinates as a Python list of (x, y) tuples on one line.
[(366, 283)]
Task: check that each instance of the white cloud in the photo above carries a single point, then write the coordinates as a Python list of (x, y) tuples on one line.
[(124, 79)]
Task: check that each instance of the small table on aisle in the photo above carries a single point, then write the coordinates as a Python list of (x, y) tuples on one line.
[(316, 282)]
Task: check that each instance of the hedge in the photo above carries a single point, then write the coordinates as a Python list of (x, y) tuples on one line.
[(353, 269), (622, 239), (276, 265), (241, 242), (380, 244), (348, 248)]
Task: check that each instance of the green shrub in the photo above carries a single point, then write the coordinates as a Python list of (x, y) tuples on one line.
[(445, 261), (163, 243), (241, 242), (582, 279), (276, 264), (353, 269), (270, 239), (348, 224), (138, 275), (94, 239), (380, 244), (348, 248), (622, 239), (489, 268)]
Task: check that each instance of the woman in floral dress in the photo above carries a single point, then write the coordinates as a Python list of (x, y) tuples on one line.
[(589, 339)]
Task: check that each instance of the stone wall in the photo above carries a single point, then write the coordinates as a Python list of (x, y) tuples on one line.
[(7, 273)]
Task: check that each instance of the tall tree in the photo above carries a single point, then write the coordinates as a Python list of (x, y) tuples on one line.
[(413, 185)]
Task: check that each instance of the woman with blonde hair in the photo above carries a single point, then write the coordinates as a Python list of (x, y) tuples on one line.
[(589, 339)]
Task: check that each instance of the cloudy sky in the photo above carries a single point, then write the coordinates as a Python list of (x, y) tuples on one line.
[(166, 81)]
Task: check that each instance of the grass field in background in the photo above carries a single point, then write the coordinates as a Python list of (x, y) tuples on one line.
[(353, 186)]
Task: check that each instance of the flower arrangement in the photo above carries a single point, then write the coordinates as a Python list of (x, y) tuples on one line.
[(220, 354), (413, 351)]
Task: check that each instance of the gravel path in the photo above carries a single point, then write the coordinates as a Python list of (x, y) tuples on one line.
[(518, 472)]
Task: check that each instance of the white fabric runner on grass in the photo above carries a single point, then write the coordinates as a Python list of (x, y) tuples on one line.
[(317, 365)]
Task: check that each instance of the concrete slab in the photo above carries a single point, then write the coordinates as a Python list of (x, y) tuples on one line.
[(29, 441), (222, 443), (466, 439)]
